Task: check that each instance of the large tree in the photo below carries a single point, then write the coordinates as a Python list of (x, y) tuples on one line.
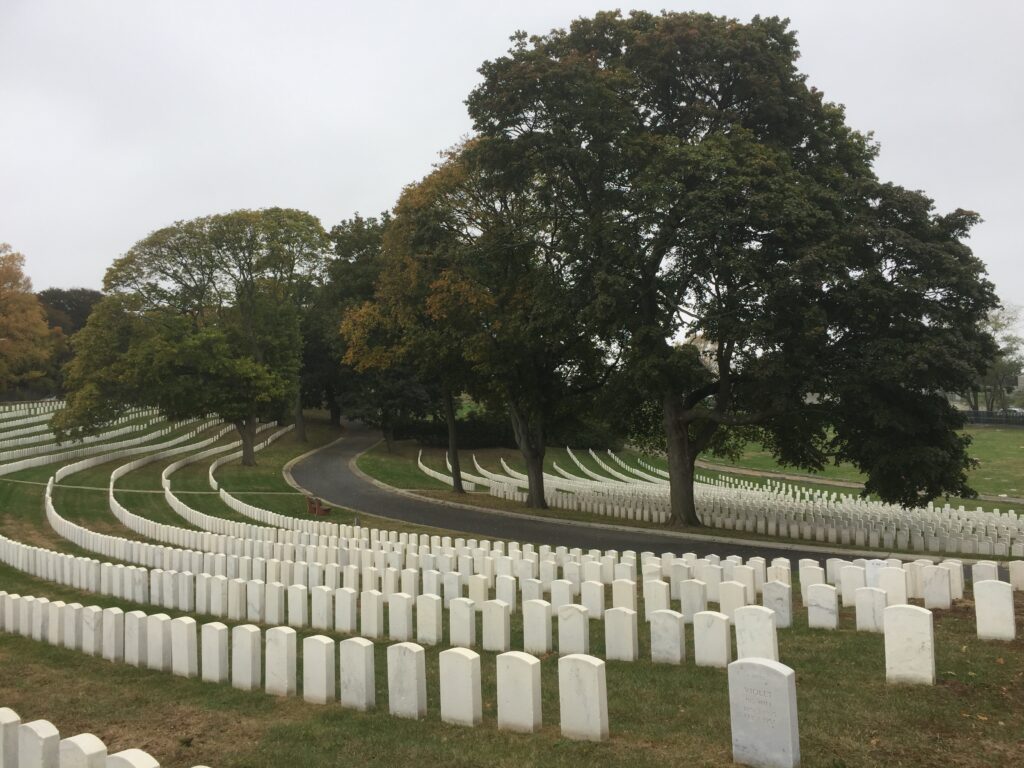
[(499, 275), (25, 342), (754, 270), (200, 317), (403, 327)]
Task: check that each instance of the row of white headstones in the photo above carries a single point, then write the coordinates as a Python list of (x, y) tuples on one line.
[(332, 670), (720, 584), (722, 504), (37, 744), (909, 644)]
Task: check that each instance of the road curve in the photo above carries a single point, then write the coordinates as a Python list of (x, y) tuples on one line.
[(326, 473)]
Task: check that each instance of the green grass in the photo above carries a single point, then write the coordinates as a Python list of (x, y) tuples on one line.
[(999, 451), (659, 715)]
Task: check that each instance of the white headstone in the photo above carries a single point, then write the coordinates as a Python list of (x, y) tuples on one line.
[(460, 685), (755, 633), (38, 745), (893, 581), (400, 618), (213, 641), (731, 595), (712, 641), (537, 626), (82, 751), (346, 610), (909, 645), (993, 608), (693, 597), (573, 630), (184, 650), (620, 635), (318, 670), (9, 724), (496, 626), (158, 642), (246, 657), (518, 691), (135, 645), (280, 664), (429, 625), (778, 596), (358, 683), (462, 622), (371, 613), (851, 578), (668, 637), (763, 714), (870, 603), (407, 680), (936, 588), (822, 607), (583, 697)]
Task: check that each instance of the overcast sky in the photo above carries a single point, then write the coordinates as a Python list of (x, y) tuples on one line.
[(118, 117)]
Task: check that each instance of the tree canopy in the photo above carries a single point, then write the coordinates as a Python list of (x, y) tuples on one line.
[(25, 343), (200, 317), (713, 195)]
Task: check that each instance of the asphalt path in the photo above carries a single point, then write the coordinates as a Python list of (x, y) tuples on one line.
[(326, 473)]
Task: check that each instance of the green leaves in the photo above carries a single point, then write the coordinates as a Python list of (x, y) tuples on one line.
[(202, 317), (740, 254)]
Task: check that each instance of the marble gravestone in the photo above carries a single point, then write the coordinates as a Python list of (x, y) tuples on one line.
[(763, 716)]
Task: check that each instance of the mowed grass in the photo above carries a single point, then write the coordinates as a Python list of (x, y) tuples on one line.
[(998, 450), (659, 715)]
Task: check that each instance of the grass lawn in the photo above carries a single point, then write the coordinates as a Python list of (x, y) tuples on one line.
[(999, 451), (659, 715)]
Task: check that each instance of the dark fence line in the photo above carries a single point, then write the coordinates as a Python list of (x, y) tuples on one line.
[(994, 417)]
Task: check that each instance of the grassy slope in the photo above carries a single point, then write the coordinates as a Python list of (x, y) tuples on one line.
[(999, 451), (659, 715)]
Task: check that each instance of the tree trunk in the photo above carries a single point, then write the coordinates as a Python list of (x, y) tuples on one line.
[(247, 430), (681, 459), (972, 399), (535, 472), (300, 419), (453, 442), (387, 427), (529, 434)]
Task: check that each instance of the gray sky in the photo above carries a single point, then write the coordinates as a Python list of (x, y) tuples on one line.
[(118, 117)]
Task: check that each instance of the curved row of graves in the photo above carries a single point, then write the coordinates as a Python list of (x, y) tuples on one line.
[(640, 492), (296, 574)]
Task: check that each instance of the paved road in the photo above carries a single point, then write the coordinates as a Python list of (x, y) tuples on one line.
[(326, 474)]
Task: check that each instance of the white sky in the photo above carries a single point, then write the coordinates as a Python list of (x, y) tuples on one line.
[(118, 117)]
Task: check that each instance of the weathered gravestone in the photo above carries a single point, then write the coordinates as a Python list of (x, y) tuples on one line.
[(993, 607), (460, 687), (583, 697), (909, 645), (763, 715)]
